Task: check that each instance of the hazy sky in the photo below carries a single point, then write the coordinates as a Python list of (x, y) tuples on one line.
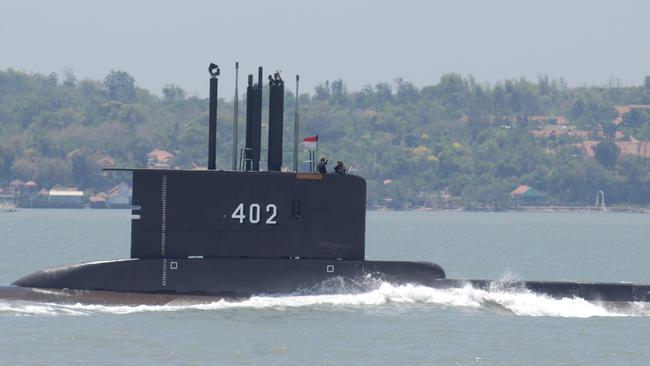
[(363, 42)]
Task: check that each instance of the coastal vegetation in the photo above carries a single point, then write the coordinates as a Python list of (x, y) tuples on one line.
[(458, 143)]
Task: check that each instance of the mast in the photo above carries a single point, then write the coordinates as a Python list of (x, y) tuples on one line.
[(257, 123), (253, 122), (276, 118), (250, 99), (296, 132), (235, 119), (212, 116)]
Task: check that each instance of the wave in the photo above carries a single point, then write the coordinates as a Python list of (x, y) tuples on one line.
[(384, 296)]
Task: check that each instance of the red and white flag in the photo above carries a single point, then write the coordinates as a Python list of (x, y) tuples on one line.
[(311, 142)]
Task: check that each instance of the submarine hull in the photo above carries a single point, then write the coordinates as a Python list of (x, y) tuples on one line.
[(590, 291), (90, 297), (601, 292), (163, 281), (228, 277)]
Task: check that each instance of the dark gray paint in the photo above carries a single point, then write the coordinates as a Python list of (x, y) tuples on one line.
[(199, 205)]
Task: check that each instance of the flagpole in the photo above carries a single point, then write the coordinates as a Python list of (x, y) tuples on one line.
[(315, 155), (295, 129)]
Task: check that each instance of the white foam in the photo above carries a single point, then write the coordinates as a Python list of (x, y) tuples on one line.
[(522, 303)]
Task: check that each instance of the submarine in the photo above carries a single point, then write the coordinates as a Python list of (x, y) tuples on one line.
[(199, 235)]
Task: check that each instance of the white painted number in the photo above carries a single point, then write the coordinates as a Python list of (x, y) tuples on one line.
[(239, 213), (254, 213), (273, 209)]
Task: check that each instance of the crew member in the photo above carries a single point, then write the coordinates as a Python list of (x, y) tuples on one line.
[(340, 168), (322, 166)]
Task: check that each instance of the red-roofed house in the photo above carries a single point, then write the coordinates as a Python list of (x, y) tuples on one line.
[(525, 195), (106, 162), (30, 187), (159, 159), (98, 200)]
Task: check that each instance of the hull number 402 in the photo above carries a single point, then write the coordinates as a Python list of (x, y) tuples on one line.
[(253, 213)]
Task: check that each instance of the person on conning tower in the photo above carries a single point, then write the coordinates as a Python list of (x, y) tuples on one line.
[(340, 168), (322, 166)]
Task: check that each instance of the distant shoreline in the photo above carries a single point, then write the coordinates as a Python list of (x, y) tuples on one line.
[(537, 209)]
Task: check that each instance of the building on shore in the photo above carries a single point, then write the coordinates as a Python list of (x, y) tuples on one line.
[(16, 186), (527, 196), (98, 200), (7, 203), (119, 196), (159, 159), (30, 187), (65, 198)]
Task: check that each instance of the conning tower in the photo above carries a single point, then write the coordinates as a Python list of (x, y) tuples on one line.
[(248, 214)]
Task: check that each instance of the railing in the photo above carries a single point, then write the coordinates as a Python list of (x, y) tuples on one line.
[(243, 160)]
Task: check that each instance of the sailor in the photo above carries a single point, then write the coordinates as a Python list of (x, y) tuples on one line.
[(322, 166), (340, 168)]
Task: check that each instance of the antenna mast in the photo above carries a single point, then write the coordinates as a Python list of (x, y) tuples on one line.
[(295, 129), (212, 118), (235, 119)]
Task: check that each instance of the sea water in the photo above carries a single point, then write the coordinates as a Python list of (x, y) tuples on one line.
[(389, 325)]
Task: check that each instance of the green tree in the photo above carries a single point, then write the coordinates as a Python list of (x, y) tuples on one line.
[(578, 109), (120, 86), (495, 193), (455, 141), (452, 92), (606, 152), (322, 91), (173, 92), (609, 129), (338, 91), (383, 93), (69, 79), (406, 91), (83, 168)]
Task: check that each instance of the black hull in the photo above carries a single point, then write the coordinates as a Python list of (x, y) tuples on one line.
[(89, 297), (158, 281), (590, 291), (228, 277)]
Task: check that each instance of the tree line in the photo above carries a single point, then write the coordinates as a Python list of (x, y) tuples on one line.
[(456, 143)]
